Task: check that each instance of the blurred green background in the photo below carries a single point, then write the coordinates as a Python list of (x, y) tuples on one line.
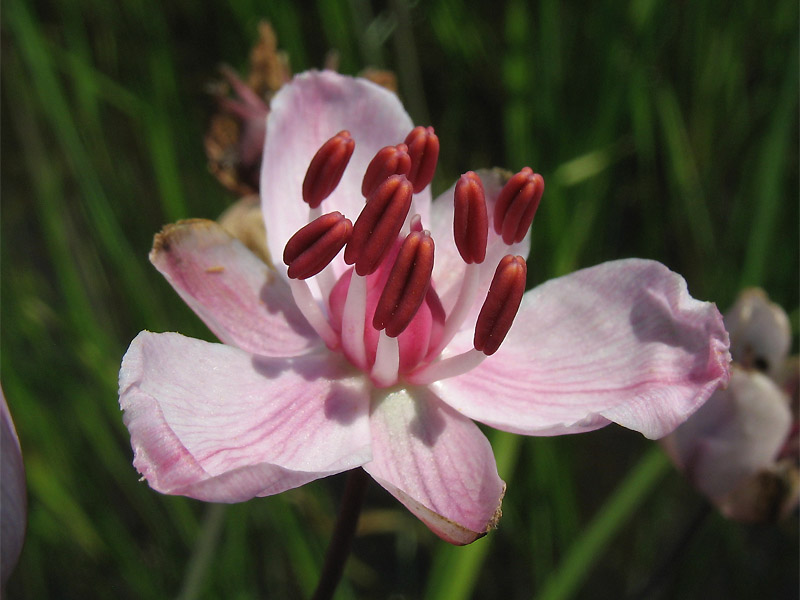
[(666, 130)]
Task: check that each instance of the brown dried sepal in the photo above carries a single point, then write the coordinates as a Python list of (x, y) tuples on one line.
[(244, 221)]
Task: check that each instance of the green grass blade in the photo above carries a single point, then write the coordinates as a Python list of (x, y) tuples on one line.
[(588, 548)]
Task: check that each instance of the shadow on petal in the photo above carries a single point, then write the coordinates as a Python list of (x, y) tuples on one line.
[(428, 422), (273, 305), (656, 319), (343, 403)]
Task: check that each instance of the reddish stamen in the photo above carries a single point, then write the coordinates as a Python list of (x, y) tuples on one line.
[(501, 304), (407, 285), (378, 225), (391, 160), (470, 221), (423, 146), (314, 246), (327, 167), (517, 204)]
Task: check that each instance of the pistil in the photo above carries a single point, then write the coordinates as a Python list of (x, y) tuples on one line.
[(374, 232), (400, 300)]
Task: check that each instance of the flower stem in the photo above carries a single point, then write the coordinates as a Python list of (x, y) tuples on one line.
[(343, 534)]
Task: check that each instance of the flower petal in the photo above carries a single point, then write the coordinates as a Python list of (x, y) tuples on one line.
[(448, 268), (236, 294), (13, 509), (760, 332), (215, 423), (304, 114), (738, 432), (437, 463), (622, 342)]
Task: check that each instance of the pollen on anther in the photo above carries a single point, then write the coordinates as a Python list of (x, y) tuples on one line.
[(501, 304), (314, 246), (327, 167), (407, 285), (390, 160), (470, 218), (423, 147), (516, 205)]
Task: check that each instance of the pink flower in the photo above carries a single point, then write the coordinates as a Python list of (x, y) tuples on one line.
[(281, 402), (13, 510), (740, 448)]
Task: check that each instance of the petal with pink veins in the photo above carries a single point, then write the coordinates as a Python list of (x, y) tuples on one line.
[(448, 268), (304, 114), (13, 508), (436, 462), (623, 342), (218, 424), (240, 298)]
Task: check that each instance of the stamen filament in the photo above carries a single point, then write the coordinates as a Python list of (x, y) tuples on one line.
[(465, 300), (448, 367), (387, 361), (313, 313), (355, 307), (326, 280)]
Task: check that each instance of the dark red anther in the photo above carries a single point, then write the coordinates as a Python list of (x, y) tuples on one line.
[(391, 160), (314, 246), (327, 167), (516, 205), (407, 285), (378, 225), (501, 304), (423, 146), (470, 220)]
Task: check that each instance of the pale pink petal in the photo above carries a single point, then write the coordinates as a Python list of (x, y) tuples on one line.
[(448, 268), (218, 424), (622, 342), (760, 332), (13, 504), (304, 114), (733, 436), (436, 462), (241, 300)]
